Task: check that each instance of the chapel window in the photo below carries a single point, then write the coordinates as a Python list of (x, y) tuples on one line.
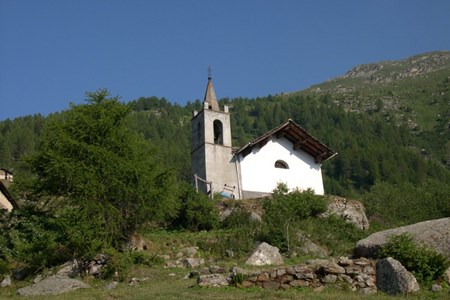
[(281, 164), (218, 132)]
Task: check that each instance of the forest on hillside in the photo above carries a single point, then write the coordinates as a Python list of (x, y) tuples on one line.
[(370, 148)]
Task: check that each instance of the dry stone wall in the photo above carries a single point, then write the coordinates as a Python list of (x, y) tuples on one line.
[(358, 274)]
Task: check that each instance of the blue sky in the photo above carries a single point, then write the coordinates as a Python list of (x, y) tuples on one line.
[(53, 51)]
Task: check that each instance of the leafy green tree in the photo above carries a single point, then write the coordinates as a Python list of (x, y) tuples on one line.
[(394, 205), (104, 179)]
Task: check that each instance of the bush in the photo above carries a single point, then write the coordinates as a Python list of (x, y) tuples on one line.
[(333, 232), (238, 218), (118, 265), (426, 264), (32, 240), (283, 211), (197, 211)]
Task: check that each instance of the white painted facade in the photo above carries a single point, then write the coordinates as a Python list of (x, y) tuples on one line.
[(4, 203), (251, 171), (259, 175)]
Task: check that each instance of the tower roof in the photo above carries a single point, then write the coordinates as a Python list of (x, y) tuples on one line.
[(210, 96)]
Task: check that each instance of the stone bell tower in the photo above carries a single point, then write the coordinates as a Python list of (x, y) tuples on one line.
[(212, 159)]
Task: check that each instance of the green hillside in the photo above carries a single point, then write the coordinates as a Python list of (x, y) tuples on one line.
[(388, 122)]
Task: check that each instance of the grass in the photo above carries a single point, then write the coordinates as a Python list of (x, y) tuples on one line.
[(169, 284)]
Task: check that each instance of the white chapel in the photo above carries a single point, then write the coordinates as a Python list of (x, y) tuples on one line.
[(286, 154)]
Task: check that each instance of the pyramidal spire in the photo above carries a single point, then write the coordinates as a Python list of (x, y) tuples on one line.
[(210, 95)]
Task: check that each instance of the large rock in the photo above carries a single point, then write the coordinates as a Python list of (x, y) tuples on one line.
[(325, 266), (307, 247), (447, 276), (54, 285), (351, 210), (435, 234), (393, 278), (212, 280), (6, 282), (265, 254)]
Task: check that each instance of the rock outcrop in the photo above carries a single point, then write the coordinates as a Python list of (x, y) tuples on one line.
[(434, 233), (54, 285), (351, 210), (393, 278), (307, 247), (212, 280), (265, 254)]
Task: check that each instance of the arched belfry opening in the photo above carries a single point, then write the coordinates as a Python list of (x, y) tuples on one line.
[(218, 132), (213, 164)]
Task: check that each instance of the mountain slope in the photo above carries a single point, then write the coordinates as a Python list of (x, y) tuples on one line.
[(414, 92)]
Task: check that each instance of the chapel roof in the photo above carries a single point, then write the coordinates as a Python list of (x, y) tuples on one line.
[(210, 96), (299, 137)]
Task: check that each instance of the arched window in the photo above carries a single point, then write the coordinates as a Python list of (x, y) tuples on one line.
[(281, 164), (218, 132)]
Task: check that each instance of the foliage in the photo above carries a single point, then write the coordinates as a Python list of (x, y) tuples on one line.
[(197, 211), (333, 232), (107, 179), (238, 218), (426, 264), (361, 139), (118, 265), (242, 232), (238, 278), (32, 239), (395, 205), (283, 211)]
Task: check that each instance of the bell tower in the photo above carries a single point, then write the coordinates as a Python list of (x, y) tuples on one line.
[(212, 159)]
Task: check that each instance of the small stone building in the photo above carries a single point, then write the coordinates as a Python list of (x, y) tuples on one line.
[(287, 154)]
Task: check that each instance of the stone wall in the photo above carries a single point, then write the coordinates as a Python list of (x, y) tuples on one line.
[(357, 274)]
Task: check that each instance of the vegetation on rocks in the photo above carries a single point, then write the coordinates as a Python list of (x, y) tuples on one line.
[(425, 263)]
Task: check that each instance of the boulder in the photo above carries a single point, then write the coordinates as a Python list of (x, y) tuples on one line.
[(325, 266), (189, 251), (212, 280), (6, 282), (434, 233), (393, 278), (54, 285), (351, 210), (307, 247), (136, 242), (192, 262), (447, 276), (70, 269), (265, 254)]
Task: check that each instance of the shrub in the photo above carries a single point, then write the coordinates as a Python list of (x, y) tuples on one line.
[(197, 211), (32, 239), (333, 232), (238, 218), (426, 264), (284, 210), (118, 265)]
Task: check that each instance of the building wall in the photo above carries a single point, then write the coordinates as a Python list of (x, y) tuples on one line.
[(210, 161), (259, 175), (4, 203)]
